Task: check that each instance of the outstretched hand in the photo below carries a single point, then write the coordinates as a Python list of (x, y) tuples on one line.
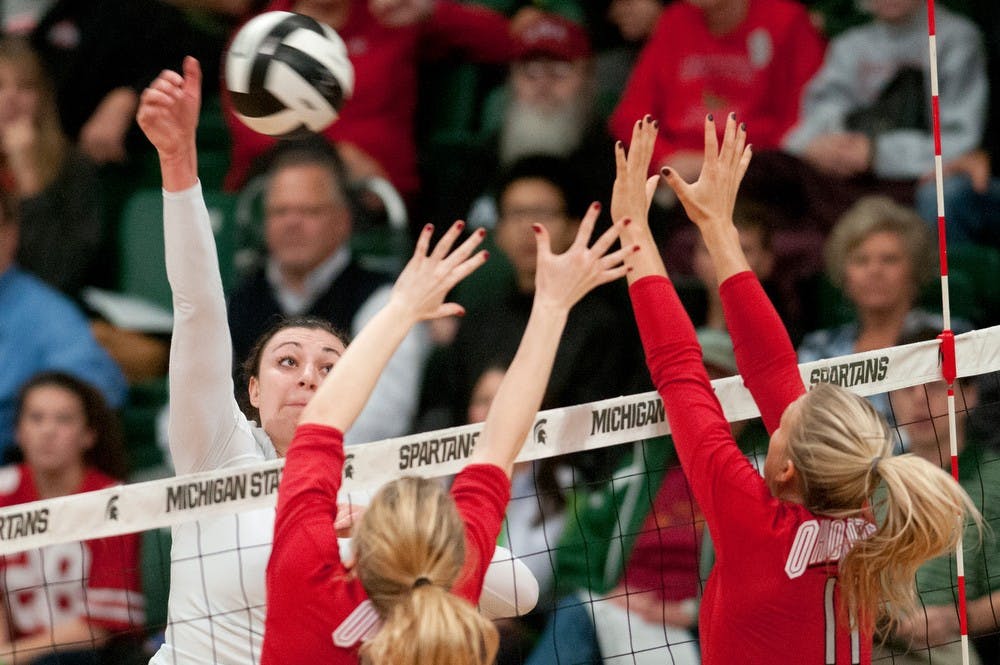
[(427, 278), (168, 110), (633, 190), (710, 199), (561, 280)]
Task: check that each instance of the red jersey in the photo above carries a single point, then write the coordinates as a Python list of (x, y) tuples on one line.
[(317, 611), (772, 595), (684, 72), (379, 116), (96, 580)]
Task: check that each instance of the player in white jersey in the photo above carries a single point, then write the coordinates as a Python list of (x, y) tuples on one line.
[(217, 596)]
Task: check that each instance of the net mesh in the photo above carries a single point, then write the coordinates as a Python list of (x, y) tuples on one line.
[(621, 557)]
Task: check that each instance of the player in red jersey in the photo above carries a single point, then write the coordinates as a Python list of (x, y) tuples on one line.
[(802, 568), (72, 602), (421, 553)]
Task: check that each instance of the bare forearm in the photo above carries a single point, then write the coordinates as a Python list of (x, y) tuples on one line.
[(984, 614), (73, 635), (520, 394)]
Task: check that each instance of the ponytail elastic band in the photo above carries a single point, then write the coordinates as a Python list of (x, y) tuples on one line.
[(421, 581), (875, 461)]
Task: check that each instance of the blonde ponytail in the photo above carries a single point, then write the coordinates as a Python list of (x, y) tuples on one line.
[(410, 548), (842, 449)]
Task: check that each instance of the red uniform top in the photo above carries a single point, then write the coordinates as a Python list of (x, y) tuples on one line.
[(772, 595), (379, 116), (316, 611), (96, 580), (684, 72)]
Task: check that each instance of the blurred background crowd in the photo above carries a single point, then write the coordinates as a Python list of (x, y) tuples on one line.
[(502, 113)]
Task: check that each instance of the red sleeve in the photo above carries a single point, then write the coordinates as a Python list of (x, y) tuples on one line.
[(114, 596), (480, 34), (644, 93), (764, 353), (304, 536), (481, 493), (719, 475)]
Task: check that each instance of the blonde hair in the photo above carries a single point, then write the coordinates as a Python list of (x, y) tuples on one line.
[(410, 548), (874, 214), (52, 145), (842, 449)]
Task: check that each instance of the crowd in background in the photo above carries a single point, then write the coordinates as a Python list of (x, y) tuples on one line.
[(503, 113)]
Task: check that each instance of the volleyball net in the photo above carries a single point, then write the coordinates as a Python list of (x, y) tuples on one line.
[(622, 555)]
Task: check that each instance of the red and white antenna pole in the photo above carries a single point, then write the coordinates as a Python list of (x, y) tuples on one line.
[(949, 368)]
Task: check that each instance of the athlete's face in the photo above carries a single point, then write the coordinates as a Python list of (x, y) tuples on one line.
[(483, 393), (779, 473), (879, 274), (292, 365), (52, 431), (894, 11)]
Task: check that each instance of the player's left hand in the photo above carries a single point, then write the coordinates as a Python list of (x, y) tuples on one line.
[(561, 280), (420, 290)]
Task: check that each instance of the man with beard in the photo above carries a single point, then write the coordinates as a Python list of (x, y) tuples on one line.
[(546, 107)]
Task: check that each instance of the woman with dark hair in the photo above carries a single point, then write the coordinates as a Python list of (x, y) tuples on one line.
[(72, 602), (217, 574)]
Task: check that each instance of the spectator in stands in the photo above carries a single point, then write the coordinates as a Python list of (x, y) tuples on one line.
[(546, 107), (309, 271), (595, 360), (865, 123), (922, 413), (627, 565), (40, 329), (74, 602), (57, 187), (880, 256), (101, 54), (748, 56), (385, 42)]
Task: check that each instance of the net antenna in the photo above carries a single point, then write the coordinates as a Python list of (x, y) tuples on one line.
[(947, 337)]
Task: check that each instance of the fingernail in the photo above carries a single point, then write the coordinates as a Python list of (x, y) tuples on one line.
[(750, 147), (635, 248), (665, 171), (481, 232), (626, 221), (743, 126), (710, 118), (486, 255), (648, 118), (629, 269), (459, 225), (656, 124), (618, 144), (537, 228), (733, 115), (428, 227), (597, 206), (460, 312)]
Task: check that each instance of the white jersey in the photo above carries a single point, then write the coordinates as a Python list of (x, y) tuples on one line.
[(217, 591), (216, 607)]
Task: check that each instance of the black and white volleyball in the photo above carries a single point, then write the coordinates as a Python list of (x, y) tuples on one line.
[(288, 75)]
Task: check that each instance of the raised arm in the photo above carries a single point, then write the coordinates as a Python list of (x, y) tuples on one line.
[(560, 281), (764, 353), (204, 419), (418, 295), (719, 474)]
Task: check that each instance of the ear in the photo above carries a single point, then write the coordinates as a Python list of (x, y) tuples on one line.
[(788, 476), (90, 439), (253, 389)]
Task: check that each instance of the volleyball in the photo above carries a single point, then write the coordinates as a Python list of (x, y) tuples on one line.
[(288, 75)]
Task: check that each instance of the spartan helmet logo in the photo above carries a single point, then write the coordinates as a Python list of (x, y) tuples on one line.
[(111, 510), (349, 466), (539, 431)]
